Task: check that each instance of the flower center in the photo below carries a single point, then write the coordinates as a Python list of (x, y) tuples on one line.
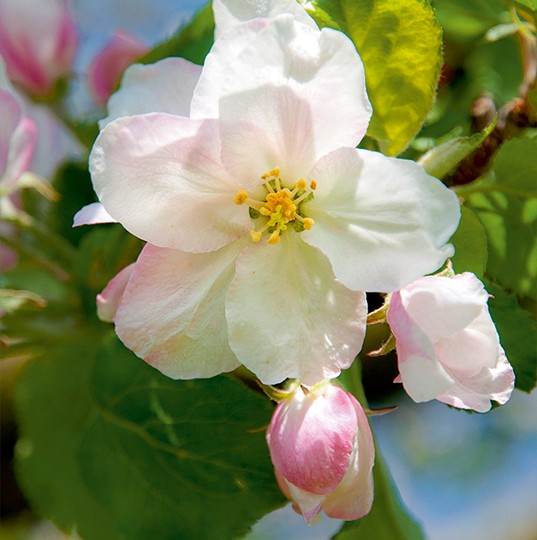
[(281, 206)]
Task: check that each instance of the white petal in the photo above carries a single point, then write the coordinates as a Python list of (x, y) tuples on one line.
[(172, 312), (443, 306), (230, 13), (382, 222), (109, 300), (91, 215), (165, 86), (160, 176), (316, 65), (289, 317)]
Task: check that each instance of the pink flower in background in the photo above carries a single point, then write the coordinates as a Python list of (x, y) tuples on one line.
[(108, 66), (447, 344), (264, 223), (38, 41), (323, 453)]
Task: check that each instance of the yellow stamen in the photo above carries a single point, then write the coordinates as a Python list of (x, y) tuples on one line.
[(313, 185), (301, 184), (308, 223), (241, 197), (256, 235)]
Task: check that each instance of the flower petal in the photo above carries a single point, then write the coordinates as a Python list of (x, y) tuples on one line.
[(289, 317), (160, 176), (353, 498), (172, 312), (382, 222), (422, 375), (230, 13), (109, 299), (455, 302), (165, 86), (315, 65), (92, 214)]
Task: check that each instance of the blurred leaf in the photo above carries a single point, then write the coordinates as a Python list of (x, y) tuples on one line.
[(191, 42), (73, 182), (122, 452), (505, 202), (389, 519), (443, 159), (401, 46), (103, 252), (530, 5), (470, 241), (517, 332), (466, 20)]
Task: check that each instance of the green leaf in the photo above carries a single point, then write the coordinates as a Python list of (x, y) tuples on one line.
[(388, 519), (517, 331), (191, 42), (530, 5), (443, 159), (401, 46), (470, 241), (505, 202), (122, 452)]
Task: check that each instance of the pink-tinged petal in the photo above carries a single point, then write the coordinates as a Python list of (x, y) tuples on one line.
[(311, 439), (165, 86), (353, 498), (38, 41), (309, 504), (228, 14), (92, 214), (109, 299), (11, 115), (54, 142), (423, 377), (382, 222), (160, 176), (470, 359), (313, 64), (21, 151), (289, 317), (277, 134), (456, 303), (172, 311), (107, 67)]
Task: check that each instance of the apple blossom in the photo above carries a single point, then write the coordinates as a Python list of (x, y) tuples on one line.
[(38, 41), (322, 449), (264, 223), (447, 344), (107, 67)]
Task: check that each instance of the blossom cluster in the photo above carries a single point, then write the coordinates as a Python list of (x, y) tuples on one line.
[(265, 226)]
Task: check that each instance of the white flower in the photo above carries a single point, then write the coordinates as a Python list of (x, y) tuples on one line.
[(264, 223), (447, 345)]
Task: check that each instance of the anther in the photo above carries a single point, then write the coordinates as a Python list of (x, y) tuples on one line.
[(313, 185), (241, 197), (308, 223), (301, 184)]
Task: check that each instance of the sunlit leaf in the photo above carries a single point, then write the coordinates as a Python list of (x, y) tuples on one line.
[(505, 202), (401, 46), (470, 241)]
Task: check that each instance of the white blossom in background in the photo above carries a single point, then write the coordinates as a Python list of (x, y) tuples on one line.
[(264, 224), (447, 344)]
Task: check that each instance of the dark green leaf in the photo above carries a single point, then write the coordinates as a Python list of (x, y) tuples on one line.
[(470, 241), (401, 46), (388, 519), (122, 452), (517, 332)]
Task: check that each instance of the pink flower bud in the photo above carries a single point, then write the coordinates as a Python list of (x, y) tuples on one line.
[(108, 66), (323, 453), (38, 41), (447, 345)]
